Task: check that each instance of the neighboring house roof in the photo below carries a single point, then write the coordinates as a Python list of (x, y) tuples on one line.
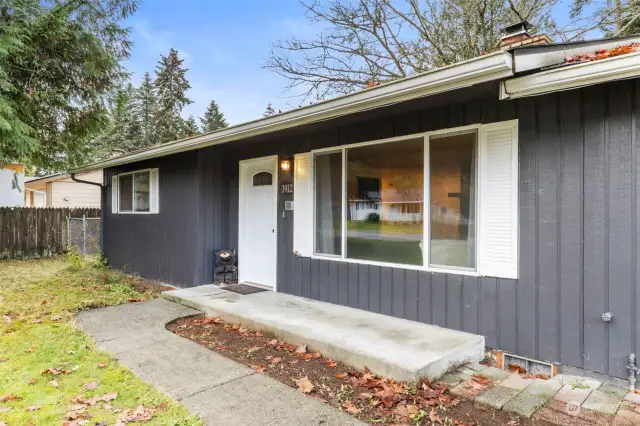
[(501, 65), (44, 179), (39, 180)]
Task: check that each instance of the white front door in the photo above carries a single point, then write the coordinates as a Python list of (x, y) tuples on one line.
[(258, 234)]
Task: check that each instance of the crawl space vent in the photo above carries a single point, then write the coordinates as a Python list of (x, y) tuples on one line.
[(531, 366)]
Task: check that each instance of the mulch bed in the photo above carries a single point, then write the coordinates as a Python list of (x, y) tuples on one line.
[(372, 399)]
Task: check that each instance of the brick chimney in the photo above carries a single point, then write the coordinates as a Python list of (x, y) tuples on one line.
[(518, 35)]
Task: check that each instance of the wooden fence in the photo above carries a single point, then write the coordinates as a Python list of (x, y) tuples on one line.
[(34, 232)]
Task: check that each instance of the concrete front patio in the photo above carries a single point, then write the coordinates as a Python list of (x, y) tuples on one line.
[(388, 346)]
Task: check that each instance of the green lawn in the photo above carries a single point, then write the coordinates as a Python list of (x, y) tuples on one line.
[(404, 252), (38, 299), (389, 227)]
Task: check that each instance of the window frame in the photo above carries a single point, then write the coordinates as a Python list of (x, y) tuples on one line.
[(427, 200), (133, 191)]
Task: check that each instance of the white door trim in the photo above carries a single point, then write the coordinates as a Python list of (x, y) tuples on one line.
[(241, 214)]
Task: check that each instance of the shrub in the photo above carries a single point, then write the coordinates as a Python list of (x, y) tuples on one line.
[(74, 257), (372, 218)]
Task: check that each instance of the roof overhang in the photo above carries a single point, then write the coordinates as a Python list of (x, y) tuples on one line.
[(490, 67), (572, 76)]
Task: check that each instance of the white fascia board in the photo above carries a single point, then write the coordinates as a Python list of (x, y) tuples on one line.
[(572, 76), (463, 74)]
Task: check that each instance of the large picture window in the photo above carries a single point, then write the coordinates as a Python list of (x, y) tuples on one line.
[(442, 201), (379, 214)]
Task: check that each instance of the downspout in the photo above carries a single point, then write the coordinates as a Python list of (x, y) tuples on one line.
[(73, 178)]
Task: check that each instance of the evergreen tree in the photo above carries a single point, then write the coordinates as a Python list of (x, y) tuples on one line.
[(213, 119), (59, 60), (171, 87), (269, 111), (144, 107), (190, 127), (124, 132)]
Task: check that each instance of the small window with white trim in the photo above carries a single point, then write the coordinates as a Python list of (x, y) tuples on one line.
[(135, 192)]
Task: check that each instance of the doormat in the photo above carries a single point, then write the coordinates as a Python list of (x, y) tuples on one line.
[(244, 289)]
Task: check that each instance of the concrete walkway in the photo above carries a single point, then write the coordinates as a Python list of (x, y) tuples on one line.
[(388, 346), (222, 391)]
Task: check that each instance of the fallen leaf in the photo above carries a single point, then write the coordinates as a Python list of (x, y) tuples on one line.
[(294, 361), (32, 381), (5, 409), (254, 349), (77, 413), (54, 383), (259, 368), (109, 396), (31, 350), (55, 317), (102, 364), (52, 370), (140, 414), (91, 386), (275, 360), (258, 334), (480, 379), (134, 300), (9, 397), (4, 359), (350, 408), (434, 417), (301, 349), (406, 411), (330, 363), (163, 405), (304, 385), (6, 319), (33, 408), (273, 342), (341, 375)]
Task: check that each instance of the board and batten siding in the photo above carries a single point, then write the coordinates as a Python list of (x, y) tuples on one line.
[(578, 225), (161, 246), (578, 232)]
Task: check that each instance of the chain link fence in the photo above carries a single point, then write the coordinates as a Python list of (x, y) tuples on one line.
[(85, 234)]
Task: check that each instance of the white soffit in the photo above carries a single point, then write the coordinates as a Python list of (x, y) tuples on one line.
[(572, 76), (463, 74)]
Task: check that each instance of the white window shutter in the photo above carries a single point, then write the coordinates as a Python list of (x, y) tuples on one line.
[(302, 205), (114, 194), (154, 191), (498, 232)]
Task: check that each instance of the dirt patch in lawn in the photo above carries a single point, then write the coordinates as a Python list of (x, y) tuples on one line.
[(370, 398), (148, 287)]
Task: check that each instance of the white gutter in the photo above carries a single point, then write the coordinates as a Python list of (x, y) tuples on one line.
[(572, 76), (463, 74)]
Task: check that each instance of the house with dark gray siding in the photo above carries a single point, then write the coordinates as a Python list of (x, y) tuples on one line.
[(499, 196)]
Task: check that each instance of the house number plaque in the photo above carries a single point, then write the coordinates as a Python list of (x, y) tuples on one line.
[(286, 188)]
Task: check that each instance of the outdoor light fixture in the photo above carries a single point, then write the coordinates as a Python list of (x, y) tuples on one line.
[(285, 165)]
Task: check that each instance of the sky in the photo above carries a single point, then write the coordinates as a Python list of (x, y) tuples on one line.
[(224, 44)]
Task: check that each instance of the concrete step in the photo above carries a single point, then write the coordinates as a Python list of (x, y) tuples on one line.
[(388, 346)]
